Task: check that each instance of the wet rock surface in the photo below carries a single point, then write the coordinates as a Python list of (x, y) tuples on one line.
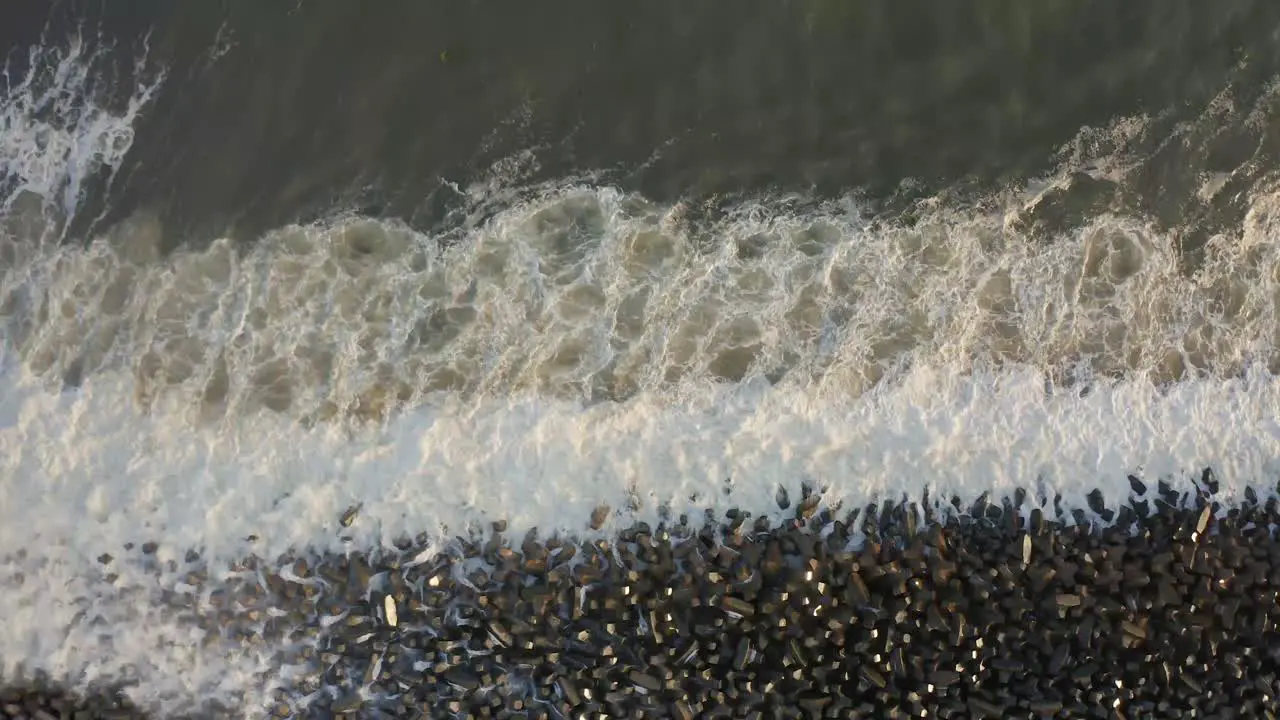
[(1166, 607), (39, 699)]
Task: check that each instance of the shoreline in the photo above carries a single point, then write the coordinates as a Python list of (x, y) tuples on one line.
[(982, 613)]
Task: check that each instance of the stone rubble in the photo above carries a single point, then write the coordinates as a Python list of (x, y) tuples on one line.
[(1166, 607)]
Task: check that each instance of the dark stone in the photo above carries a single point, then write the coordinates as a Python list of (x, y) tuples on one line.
[(932, 613)]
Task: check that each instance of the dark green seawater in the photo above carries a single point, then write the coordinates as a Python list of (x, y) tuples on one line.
[(276, 111)]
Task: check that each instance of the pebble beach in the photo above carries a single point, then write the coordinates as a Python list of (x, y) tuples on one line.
[(1162, 608)]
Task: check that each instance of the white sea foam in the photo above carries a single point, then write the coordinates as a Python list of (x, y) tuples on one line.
[(594, 294), (52, 138), (86, 472), (582, 347)]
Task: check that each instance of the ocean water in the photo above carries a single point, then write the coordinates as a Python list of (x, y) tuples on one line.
[(236, 305)]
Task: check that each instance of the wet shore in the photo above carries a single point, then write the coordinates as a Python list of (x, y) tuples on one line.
[(1166, 607)]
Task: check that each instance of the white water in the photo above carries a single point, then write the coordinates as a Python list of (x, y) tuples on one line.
[(583, 348)]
